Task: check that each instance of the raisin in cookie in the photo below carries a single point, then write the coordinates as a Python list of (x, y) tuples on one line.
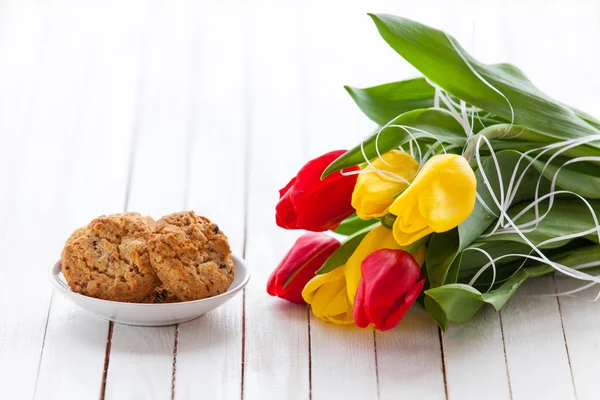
[(161, 295), (108, 259), (191, 256)]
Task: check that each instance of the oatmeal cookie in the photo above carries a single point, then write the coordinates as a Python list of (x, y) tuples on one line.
[(191, 256), (161, 295), (108, 259)]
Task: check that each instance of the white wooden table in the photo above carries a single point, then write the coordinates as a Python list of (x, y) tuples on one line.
[(212, 106)]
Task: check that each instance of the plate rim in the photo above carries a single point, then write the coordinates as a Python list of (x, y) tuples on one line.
[(62, 287)]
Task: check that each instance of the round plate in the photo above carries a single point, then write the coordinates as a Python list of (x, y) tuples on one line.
[(151, 314)]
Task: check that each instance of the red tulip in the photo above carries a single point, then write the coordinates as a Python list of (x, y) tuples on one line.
[(308, 202), (299, 266), (391, 282)]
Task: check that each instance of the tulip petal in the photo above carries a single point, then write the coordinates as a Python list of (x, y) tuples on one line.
[(388, 273), (440, 198), (360, 318), (451, 197), (322, 206), (379, 238), (391, 282), (311, 173), (319, 280), (323, 298), (307, 202), (299, 265), (374, 191), (287, 187), (404, 238), (327, 296), (285, 215), (402, 305)]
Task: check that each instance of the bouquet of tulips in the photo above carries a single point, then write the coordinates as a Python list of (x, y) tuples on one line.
[(474, 181)]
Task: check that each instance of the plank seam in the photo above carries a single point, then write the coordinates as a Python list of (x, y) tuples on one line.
[(376, 362), (106, 359), (248, 117), (309, 355), (505, 355), (174, 373), (562, 327), (443, 354), (37, 375)]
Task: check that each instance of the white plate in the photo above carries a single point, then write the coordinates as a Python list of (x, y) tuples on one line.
[(151, 314)]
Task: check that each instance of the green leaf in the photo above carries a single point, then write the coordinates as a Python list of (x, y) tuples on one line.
[(459, 302), (568, 215), (494, 88), (452, 303), (385, 102), (341, 255), (587, 118), (582, 177), (437, 122), (353, 224)]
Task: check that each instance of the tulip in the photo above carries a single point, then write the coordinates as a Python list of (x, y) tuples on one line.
[(439, 199), (391, 282), (328, 299), (307, 202), (379, 238), (375, 189), (299, 265)]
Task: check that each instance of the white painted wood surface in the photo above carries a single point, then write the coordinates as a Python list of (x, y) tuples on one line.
[(160, 106)]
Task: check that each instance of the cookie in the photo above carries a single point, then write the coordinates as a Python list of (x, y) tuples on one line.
[(191, 256), (108, 259), (161, 295)]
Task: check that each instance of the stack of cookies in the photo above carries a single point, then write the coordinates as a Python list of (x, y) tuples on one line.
[(131, 258)]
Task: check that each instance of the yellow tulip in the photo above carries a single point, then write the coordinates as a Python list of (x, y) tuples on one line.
[(439, 199), (374, 191), (327, 297)]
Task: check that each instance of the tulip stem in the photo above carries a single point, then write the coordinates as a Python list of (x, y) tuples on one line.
[(413, 247)]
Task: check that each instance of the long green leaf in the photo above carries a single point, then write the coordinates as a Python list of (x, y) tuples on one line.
[(582, 178), (341, 255), (437, 122), (568, 216), (353, 224), (385, 102), (459, 302), (500, 89)]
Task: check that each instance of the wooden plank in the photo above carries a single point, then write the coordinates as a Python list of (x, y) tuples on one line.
[(470, 346), (538, 364), (209, 351), (97, 185), (343, 362), (276, 333), (409, 359), (141, 359), (581, 323), (40, 106)]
